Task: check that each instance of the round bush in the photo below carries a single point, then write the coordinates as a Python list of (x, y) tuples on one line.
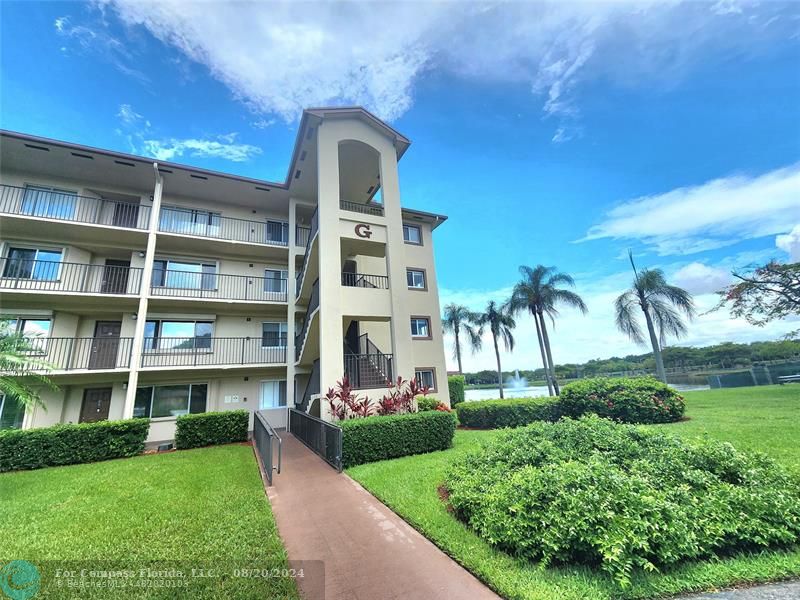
[(625, 399), (595, 492)]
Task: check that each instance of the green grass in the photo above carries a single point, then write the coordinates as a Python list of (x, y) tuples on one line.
[(766, 419), (201, 508)]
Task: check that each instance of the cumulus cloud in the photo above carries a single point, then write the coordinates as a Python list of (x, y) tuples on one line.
[(280, 60), (698, 278), (790, 243), (717, 213)]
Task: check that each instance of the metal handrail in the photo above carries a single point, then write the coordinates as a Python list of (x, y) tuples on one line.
[(370, 208), (191, 284), (74, 354), (313, 304), (211, 351), (364, 280), (302, 271), (258, 440), (57, 276), (219, 227), (324, 438), (301, 235)]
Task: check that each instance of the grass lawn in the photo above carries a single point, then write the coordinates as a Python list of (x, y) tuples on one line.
[(766, 418), (203, 508)]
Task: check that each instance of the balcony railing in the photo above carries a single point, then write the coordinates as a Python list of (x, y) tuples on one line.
[(61, 206), (367, 371), (212, 225), (191, 284), (313, 304), (370, 208), (51, 276), (212, 351), (298, 282), (363, 280), (74, 354), (302, 235)]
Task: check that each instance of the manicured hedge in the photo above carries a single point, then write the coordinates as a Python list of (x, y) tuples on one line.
[(625, 399), (495, 414), (426, 403), (70, 444), (378, 438), (623, 497), (211, 428), (456, 385)]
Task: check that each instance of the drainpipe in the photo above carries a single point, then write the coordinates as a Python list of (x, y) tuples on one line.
[(144, 297)]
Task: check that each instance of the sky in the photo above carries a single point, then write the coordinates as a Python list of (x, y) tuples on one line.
[(551, 133)]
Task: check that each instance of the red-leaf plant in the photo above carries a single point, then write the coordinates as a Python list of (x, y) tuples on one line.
[(344, 403), (399, 398)]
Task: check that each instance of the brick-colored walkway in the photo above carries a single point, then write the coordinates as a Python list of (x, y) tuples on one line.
[(369, 552)]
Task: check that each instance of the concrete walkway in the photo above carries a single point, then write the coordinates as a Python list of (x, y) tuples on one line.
[(369, 553), (789, 590)]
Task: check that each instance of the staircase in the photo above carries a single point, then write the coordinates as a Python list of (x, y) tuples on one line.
[(367, 367), (312, 388)]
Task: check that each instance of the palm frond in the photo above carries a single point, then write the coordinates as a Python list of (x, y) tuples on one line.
[(625, 316)]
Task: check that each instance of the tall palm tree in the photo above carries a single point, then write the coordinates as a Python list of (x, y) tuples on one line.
[(501, 323), (539, 293), (21, 372), (457, 317), (663, 307)]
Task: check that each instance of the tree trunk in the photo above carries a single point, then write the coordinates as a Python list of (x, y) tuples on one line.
[(660, 372), (499, 370), (458, 350), (549, 355), (544, 356)]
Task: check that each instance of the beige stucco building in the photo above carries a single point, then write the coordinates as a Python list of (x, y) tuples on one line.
[(156, 289)]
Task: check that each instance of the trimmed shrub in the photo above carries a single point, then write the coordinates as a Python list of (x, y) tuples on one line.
[(622, 497), (426, 403), (211, 428), (71, 444), (378, 438), (625, 399), (456, 385), (494, 414)]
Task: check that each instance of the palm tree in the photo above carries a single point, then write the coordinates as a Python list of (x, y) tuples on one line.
[(457, 317), (20, 370), (539, 293), (662, 305), (500, 322)]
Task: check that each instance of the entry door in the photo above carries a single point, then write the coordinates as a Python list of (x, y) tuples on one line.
[(96, 402), (115, 276), (126, 214), (105, 345)]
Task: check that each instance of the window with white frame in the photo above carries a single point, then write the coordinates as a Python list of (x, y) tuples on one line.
[(44, 201), (275, 280), (412, 234), (170, 400), (416, 279), (273, 334), (32, 263), (12, 412), (272, 394), (278, 232), (177, 335), (426, 378), (420, 327), (184, 274)]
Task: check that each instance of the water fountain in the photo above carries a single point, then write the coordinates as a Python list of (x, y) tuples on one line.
[(516, 382)]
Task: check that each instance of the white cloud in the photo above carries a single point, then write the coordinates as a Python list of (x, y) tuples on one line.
[(698, 278), (130, 117), (222, 147), (790, 243), (712, 215), (279, 59)]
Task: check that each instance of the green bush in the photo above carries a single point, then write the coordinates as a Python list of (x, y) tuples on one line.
[(378, 438), (625, 399), (627, 498), (456, 385), (211, 428), (494, 414), (71, 444), (425, 403)]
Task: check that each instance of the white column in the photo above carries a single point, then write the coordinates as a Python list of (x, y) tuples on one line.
[(144, 297), (290, 301)]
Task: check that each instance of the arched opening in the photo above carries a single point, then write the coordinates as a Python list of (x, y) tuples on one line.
[(360, 187)]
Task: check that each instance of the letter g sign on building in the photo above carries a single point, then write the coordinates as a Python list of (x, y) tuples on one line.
[(363, 231)]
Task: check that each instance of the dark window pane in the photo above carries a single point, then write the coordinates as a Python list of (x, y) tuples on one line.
[(198, 398), (12, 412), (19, 263), (150, 334), (170, 400), (141, 406)]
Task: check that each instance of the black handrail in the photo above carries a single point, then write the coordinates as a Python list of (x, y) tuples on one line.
[(324, 438), (370, 208), (212, 225), (192, 284), (367, 367), (75, 354), (263, 436), (298, 283), (53, 276), (364, 280), (210, 351), (312, 387), (61, 206), (313, 304)]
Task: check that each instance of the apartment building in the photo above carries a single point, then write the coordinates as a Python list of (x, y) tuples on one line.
[(156, 289)]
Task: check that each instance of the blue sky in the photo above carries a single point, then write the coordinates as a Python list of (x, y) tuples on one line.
[(559, 133)]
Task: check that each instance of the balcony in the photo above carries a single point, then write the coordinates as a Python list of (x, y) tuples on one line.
[(64, 354), (175, 352), (370, 208), (362, 280), (218, 286), (27, 275), (302, 235), (198, 223)]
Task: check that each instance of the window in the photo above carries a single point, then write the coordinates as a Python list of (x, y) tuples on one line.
[(272, 394), (12, 412), (41, 201), (420, 327), (170, 400), (412, 234), (278, 232), (426, 378), (197, 222), (416, 279), (177, 335), (32, 263), (273, 334), (30, 328), (275, 280), (186, 275)]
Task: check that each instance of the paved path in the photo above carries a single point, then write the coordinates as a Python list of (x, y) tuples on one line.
[(369, 552), (789, 590)]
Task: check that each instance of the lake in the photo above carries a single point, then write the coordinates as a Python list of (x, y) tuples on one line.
[(541, 390)]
